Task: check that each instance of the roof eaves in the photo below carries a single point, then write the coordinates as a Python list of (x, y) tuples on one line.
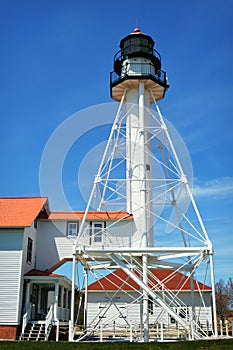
[(13, 227)]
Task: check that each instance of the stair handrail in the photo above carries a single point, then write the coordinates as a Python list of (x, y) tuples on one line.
[(48, 319), (26, 317)]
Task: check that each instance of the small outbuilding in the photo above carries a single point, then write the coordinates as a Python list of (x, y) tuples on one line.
[(115, 300)]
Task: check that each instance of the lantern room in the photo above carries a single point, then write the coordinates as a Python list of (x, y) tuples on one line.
[(137, 59)]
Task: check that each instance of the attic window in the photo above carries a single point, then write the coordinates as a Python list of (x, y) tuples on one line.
[(72, 228)]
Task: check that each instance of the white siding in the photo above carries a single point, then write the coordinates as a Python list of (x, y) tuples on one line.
[(11, 243), (185, 297), (133, 313), (11, 239), (120, 234), (52, 244), (204, 314)]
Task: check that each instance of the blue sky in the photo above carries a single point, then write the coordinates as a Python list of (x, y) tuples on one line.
[(55, 60)]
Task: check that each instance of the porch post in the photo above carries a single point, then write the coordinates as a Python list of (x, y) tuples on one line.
[(66, 306), (62, 303), (39, 300), (56, 294), (71, 323), (27, 296)]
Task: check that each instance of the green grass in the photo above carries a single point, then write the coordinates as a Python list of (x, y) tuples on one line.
[(192, 345)]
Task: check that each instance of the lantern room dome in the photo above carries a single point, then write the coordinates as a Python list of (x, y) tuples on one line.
[(137, 42)]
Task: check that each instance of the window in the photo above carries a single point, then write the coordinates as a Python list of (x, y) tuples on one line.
[(29, 251), (172, 320), (64, 298), (69, 299), (150, 305), (59, 297), (97, 230), (72, 228), (35, 223)]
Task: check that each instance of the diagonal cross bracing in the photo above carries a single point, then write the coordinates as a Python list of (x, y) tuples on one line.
[(155, 297)]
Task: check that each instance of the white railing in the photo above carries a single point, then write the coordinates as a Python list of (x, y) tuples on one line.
[(26, 318), (225, 328), (48, 319)]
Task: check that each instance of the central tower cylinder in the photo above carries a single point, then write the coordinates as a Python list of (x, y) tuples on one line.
[(138, 164)]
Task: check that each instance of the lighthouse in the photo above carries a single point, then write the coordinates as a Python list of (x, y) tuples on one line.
[(138, 77), (141, 225)]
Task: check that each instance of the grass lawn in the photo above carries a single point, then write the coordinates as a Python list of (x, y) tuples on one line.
[(191, 345)]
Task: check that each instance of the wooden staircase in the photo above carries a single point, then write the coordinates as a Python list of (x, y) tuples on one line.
[(36, 332)]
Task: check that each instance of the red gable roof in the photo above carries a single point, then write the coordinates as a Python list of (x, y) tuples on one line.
[(92, 215), (171, 279), (20, 211)]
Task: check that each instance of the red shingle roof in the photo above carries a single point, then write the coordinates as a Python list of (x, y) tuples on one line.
[(92, 215), (20, 211), (120, 280)]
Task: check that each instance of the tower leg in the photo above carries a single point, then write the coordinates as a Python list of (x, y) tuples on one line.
[(71, 323), (213, 296), (85, 300), (145, 318)]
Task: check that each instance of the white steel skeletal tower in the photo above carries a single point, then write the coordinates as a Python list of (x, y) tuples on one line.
[(144, 183)]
